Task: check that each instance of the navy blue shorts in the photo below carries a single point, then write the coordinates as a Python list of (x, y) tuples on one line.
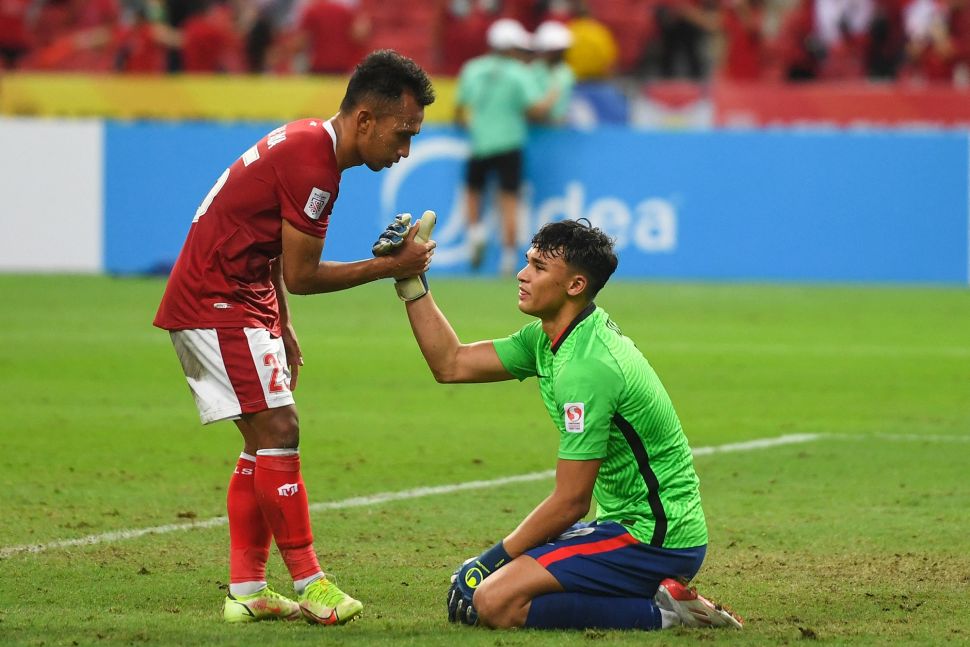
[(605, 559)]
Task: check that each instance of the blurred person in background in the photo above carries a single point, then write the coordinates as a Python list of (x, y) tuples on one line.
[(887, 40), (842, 29), (798, 52), (594, 52), (529, 13), (176, 13), (550, 43), (741, 23), (938, 40), (73, 35), (460, 32), (16, 18), (333, 35), (144, 46), (558, 10), (211, 41), (261, 23), (100, 36), (683, 27), (497, 95), (257, 234), (55, 18)]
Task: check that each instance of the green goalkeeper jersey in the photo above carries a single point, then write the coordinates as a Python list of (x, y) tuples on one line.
[(609, 404)]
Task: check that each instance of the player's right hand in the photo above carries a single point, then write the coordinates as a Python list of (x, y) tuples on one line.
[(392, 237), (294, 356)]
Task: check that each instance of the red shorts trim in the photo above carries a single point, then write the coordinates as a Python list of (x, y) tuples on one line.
[(587, 549)]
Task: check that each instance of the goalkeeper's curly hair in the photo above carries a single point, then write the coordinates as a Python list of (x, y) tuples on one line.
[(383, 77), (581, 245)]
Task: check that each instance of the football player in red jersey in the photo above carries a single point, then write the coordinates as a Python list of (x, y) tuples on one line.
[(260, 228)]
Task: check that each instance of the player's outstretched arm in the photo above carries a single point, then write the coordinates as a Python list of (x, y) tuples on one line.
[(449, 359), (305, 273)]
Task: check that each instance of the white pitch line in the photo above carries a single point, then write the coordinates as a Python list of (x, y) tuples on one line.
[(928, 438), (761, 443), (375, 499), (843, 350)]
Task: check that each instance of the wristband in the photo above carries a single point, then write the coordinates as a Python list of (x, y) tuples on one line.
[(412, 288), (415, 287), (484, 565)]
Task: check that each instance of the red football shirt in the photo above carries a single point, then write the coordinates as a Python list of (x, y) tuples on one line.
[(14, 32), (210, 43), (330, 27), (222, 276)]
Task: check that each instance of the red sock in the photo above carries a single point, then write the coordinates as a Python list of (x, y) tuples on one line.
[(283, 500), (249, 534)]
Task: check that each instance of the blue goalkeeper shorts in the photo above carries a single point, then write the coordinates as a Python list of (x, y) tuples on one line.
[(605, 559)]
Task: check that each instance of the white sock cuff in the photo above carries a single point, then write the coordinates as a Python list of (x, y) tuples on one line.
[(247, 457), (247, 588), (300, 585), (283, 451), (669, 619)]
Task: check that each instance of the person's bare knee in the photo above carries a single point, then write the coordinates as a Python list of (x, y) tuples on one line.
[(503, 599), (497, 610), (490, 607), (275, 428)]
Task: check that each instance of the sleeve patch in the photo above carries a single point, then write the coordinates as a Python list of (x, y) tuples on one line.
[(316, 203), (251, 155), (574, 417)]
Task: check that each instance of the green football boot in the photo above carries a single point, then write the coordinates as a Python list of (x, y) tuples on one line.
[(323, 603), (262, 605)]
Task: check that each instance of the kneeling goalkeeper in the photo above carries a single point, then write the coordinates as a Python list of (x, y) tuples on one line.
[(620, 441)]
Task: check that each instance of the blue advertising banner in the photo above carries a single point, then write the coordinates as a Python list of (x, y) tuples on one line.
[(759, 205)]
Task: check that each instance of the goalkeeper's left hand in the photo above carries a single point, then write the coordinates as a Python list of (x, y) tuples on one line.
[(468, 577), (460, 608)]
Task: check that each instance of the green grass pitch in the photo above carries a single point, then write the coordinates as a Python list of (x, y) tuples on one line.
[(858, 535)]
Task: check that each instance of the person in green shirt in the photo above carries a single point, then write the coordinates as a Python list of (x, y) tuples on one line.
[(550, 43), (497, 96), (620, 442)]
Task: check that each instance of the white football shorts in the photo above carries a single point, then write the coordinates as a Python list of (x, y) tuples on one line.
[(233, 371)]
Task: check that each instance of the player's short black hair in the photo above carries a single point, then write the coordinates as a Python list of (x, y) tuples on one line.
[(582, 246), (383, 77)]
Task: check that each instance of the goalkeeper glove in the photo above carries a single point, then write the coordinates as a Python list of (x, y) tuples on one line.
[(460, 607), (392, 237), (413, 287), (468, 577)]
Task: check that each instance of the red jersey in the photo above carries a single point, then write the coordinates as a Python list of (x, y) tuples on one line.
[(222, 276), (745, 42), (13, 23), (143, 53), (330, 26), (210, 43)]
